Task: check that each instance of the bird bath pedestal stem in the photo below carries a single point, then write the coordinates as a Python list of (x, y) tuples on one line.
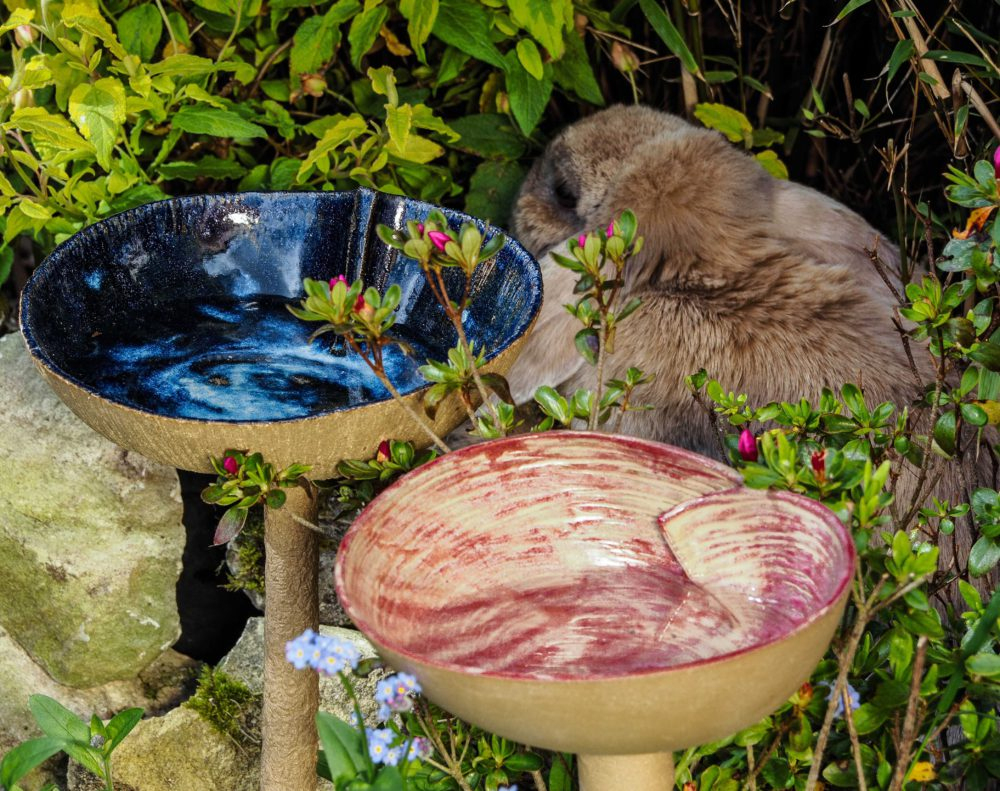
[(645, 772), (291, 697)]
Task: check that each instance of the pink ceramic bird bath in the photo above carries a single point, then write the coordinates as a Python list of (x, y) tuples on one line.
[(596, 594)]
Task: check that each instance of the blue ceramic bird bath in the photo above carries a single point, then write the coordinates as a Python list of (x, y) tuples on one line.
[(165, 329)]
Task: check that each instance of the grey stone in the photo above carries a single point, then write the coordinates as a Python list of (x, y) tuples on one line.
[(156, 688), (176, 751), (246, 663), (90, 538)]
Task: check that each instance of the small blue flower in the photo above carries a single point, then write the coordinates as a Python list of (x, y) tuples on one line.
[(507, 788), (384, 712), (852, 695), (392, 756), (419, 748), (336, 655), (300, 650), (379, 740), (393, 693)]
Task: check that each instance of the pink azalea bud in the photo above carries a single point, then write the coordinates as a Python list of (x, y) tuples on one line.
[(581, 239), (747, 445), (360, 306), (996, 162), (439, 239), (420, 228), (611, 228), (337, 279), (230, 465), (384, 452), (818, 461)]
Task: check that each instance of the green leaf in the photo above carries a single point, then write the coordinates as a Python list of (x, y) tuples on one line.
[(489, 135), (18, 17), (28, 755), (56, 720), (984, 665), (466, 26), (544, 20), (948, 56), (852, 6), (528, 54), (345, 129), (528, 97), (6, 262), (140, 29), (364, 30), (206, 167), (868, 718), (98, 110), (230, 525), (573, 71), (317, 38), (984, 555), (732, 123), (988, 354), (341, 746), (666, 30), (121, 725), (420, 17), (900, 54), (200, 120), (183, 65), (493, 190), (770, 162), (389, 779)]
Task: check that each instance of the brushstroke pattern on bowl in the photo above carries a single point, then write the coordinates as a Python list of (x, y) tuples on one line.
[(593, 574)]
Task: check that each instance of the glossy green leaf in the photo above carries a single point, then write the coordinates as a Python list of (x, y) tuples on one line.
[(316, 39), (201, 120), (528, 97), (493, 190), (56, 720), (341, 745), (573, 71), (668, 32), (732, 123), (364, 30), (140, 29), (466, 26), (528, 54), (27, 756), (984, 556), (900, 54), (984, 665), (851, 7), (206, 167)]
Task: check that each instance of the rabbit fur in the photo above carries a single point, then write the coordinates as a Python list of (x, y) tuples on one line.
[(765, 283)]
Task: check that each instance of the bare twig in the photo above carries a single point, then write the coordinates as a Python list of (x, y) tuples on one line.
[(904, 748)]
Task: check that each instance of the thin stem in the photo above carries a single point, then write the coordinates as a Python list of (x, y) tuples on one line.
[(595, 407), (539, 781), (852, 732), (107, 773), (483, 393), (345, 682), (236, 27), (453, 766), (905, 747)]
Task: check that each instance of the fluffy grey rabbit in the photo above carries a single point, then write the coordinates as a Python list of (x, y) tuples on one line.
[(766, 283)]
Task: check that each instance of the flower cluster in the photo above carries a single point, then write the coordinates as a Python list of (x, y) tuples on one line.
[(328, 655), (382, 750), (393, 694)]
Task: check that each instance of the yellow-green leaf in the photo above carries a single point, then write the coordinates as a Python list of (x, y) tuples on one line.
[(34, 210), (86, 18), (316, 40), (770, 162), (183, 66), (398, 121), (384, 83), (732, 123), (18, 17), (530, 58), (48, 130), (201, 120), (544, 20), (344, 130), (364, 30), (420, 16), (98, 110)]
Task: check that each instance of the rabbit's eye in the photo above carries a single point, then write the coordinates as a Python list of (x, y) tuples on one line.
[(565, 196)]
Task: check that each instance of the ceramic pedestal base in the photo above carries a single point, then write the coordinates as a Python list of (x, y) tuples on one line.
[(645, 772), (291, 697)]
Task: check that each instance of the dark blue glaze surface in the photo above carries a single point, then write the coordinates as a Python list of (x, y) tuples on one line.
[(178, 307)]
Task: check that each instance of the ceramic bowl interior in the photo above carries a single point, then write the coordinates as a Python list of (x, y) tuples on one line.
[(177, 309), (567, 558)]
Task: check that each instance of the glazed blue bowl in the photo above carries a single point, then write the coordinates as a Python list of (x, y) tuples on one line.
[(166, 328)]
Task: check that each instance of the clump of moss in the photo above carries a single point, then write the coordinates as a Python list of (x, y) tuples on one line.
[(227, 705), (249, 574)]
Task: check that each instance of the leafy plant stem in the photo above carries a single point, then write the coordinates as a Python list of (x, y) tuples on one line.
[(232, 35), (345, 682), (483, 393), (595, 407), (453, 765), (106, 761)]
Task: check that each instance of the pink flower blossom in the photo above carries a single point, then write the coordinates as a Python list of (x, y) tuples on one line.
[(337, 279), (420, 228), (360, 306), (439, 239), (581, 239), (611, 228), (230, 465), (747, 445), (996, 162)]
